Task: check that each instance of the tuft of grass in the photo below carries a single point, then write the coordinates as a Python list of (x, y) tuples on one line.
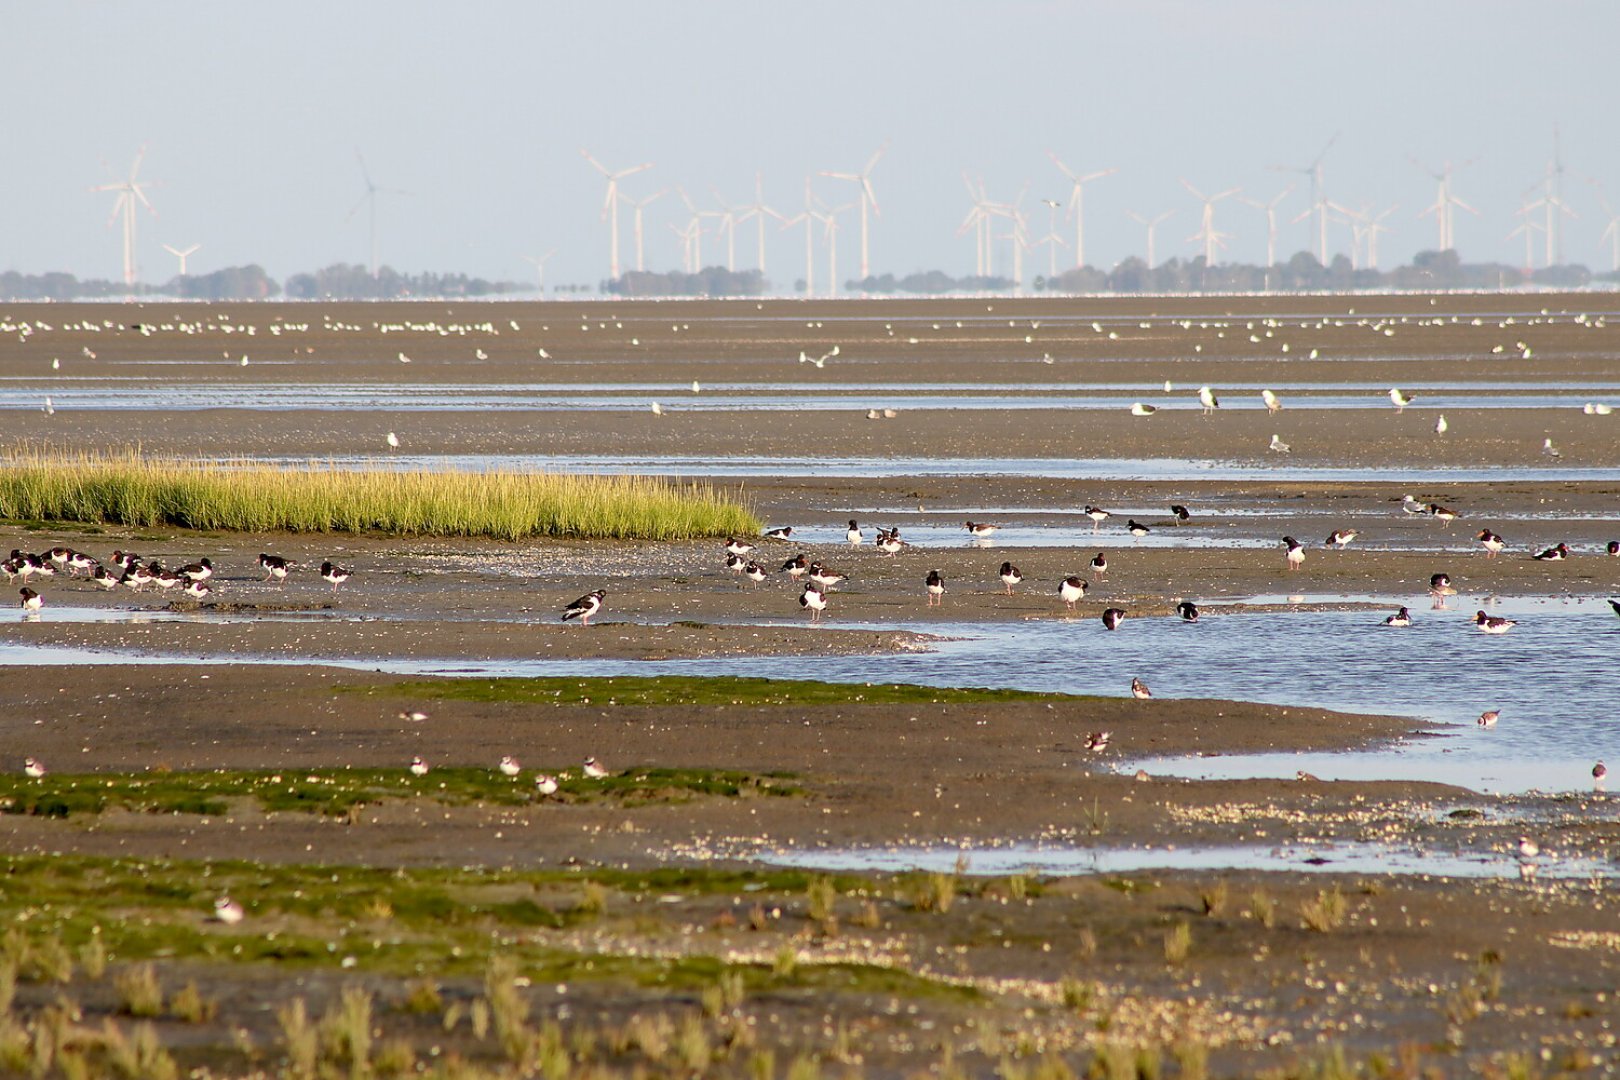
[(820, 896), (299, 1038), (1177, 943), (933, 892), (130, 488), (1326, 912), (592, 900), (138, 990), (423, 998), (1213, 898), (1263, 908), (345, 1031), (189, 1005)]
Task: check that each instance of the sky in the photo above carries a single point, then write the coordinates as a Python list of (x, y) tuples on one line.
[(252, 116)]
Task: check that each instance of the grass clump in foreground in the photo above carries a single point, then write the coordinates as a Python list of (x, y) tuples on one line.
[(131, 489)]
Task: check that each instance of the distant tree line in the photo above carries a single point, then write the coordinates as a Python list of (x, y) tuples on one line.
[(340, 281), (710, 281), (929, 283)]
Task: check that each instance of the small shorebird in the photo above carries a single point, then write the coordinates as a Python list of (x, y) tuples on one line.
[(1296, 552), (1600, 772), (1440, 587), (1097, 741), (198, 590), (201, 570), (31, 600), (1074, 589), (125, 559), (593, 769), (228, 911), (853, 534), (738, 547), (33, 768), (1398, 399), (418, 766), (1548, 448), (1491, 542), (1139, 409), (1097, 515), (796, 567), (783, 533), (981, 529), (1010, 576), (1099, 565), (1278, 445), (1188, 611), (392, 440), (1339, 538), (1442, 514), (1553, 554), (545, 784), (104, 577), (1489, 717), (586, 606), (754, 572), (334, 574), (274, 566), (936, 589), (1139, 690), (889, 542), (1400, 618), (736, 563), (509, 766), (1273, 403), (1207, 398), (814, 600), (1179, 512), (1440, 425), (415, 716), (1136, 528), (1112, 617), (1528, 848), (1493, 624), (823, 578)]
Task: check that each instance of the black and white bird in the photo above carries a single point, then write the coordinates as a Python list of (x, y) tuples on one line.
[(1279, 446), (198, 590), (1207, 398), (1099, 565), (1613, 547), (127, 560), (1112, 617), (980, 530), (1295, 554), (1615, 604), (1440, 587), (1400, 618), (334, 574), (1179, 512), (104, 577), (1398, 399), (736, 564), (1073, 590), (594, 770), (1488, 718), (509, 765), (228, 911), (1600, 772), (1097, 741), (1339, 538), (1137, 529), (784, 533), (31, 600), (1493, 624), (1553, 554), (853, 534), (1097, 515), (889, 542), (418, 766), (1139, 409), (738, 547), (754, 572), (545, 785), (1010, 576), (1528, 848), (1188, 611), (33, 768), (936, 588), (1139, 690), (796, 567), (824, 578), (1444, 515), (274, 566), (1491, 542), (814, 600), (586, 606), (201, 570)]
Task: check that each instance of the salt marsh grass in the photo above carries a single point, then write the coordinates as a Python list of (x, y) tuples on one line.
[(136, 490)]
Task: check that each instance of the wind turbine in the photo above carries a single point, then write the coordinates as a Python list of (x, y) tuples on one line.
[(1271, 220), (637, 206), (829, 218), (1611, 231), (868, 202), (978, 219), (808, 216), (758, 210), (1319, 203), (182, 254), (1077, 206), (129, 193), (1051, 240), (1555, 211), (1366, 226), (728, 227), (1206, 228), (610, 205), (1528, 228), (1444, 200), (1152, 227), (1017, 235), (689, 240), (539, 262), (369, 199), (693, 233)]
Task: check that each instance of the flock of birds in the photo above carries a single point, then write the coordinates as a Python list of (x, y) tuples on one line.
[(125, 568)]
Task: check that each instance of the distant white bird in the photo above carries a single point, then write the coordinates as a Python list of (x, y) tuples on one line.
[(403, 358), (1278, 445), (1140, 409), (56, 364), (509, 766), (593, 769), (393, 441), (1398, 399), (415, 716), (244, 361), (1440, 425), (33, 768), (873, 414), (481, 354), (50, 409), (545, 784), (543, 354), (657, 409), (695, 387), (228, 911), (418, 766), (1548, 448), (1207, 398), (1168, 386), (1272, 403)]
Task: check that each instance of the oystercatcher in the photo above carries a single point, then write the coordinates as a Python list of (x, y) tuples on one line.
[(125, 559), (274, 566), (586, 606), (1099, 565), (1400, 618), (754, 572), (1493, 624), (31, 600), (824, 578), (1339, 538), (853, 534), (79, 562), (1616, 605), (738, 547), (1097, 741), (1188, 611), (981, 529), (1074, 589), (1010, 576), (783, 533), (1440, 587), (936, 588), (335, 574), (1136, 528), (1097, 515), (814, 600), (1179, 512), (889, 542), (736, 563), (1553, 554), (1112, 617), (1139, 690), (104, 577), (1296, 552), (796, 567), (198, 590), (201, 570), (1442, 514), (1613, 548), (1528, 848), (1599, 772), (1492, 543)]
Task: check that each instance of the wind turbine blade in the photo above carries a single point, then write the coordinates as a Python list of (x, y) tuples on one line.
[(842, 175), (1089, 177), (141, 195), (1062, 168), (871, 196), (118, 207), (622, 173), (1458, 202), (1225, 194), (1325, 149), (357, 206), (1199, 195), (140, 155), (597, 165), (874, 158), (365, 174)]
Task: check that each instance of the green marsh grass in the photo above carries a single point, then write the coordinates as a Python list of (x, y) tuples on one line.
[(41, 484)]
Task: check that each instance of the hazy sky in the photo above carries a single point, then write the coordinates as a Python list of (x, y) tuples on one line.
[(252, 115)]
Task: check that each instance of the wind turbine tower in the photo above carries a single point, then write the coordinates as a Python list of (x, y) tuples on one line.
[(636, 207), (129, 193), (183, 254), (1152, 227), (809, 217), (868, 202), (1319, 204), (1077, 206), (369, 200), (1443, 203), (1206, 228), (610, 205), (1270, 209), (539, 263), (1051, 240), (758, 210)]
